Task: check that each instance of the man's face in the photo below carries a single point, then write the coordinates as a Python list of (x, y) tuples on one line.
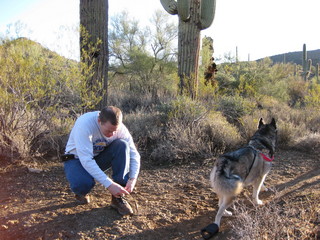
[(108, 129)]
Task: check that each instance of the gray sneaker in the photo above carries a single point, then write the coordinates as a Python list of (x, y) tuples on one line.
[(121, 205)]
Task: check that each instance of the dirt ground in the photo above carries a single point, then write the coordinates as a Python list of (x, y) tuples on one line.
[(172, 202)]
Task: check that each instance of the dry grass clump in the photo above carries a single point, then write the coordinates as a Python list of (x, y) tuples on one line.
[(249, 123), (235, 107), (294, 124), (220, 134), (309, 143), (288, 132), (197, 140), (146, 128), (184, 129), (130, 101), (277, 221), (299, 129)]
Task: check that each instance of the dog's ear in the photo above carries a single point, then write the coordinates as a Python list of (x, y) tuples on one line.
[(273, 123), (261, 123)]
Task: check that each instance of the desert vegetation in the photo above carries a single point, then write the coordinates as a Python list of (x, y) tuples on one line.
[(42, 93)]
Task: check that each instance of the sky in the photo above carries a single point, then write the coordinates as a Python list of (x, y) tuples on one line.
[(257, 28)]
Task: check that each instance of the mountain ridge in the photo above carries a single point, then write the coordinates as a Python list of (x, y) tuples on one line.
[(295, 57)]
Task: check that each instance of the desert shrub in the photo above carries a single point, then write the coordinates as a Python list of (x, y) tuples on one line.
[(180, 139), (219, 134), (297, 91), (131, 102), (36, 88), (193, 133), (312, 99), (226, 82), (313, 119), (250, 123), (235, 107), (184, 109), (309, 143), (276, 221), (207, 92), (287, 132), (179, 145), (146, 128), (277, 90), (124, 94), (294, 123)]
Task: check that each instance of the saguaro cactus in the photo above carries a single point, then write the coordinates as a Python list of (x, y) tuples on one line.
[(317, 72), (194, 16), (94, 38), (306, 64)]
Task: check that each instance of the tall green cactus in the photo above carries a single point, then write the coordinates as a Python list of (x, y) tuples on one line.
[(194, 16), (306, 64), (317, 72)]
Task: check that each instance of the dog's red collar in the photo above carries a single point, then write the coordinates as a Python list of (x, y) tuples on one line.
[(267, 158)]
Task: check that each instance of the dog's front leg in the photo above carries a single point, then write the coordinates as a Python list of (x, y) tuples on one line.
[(256, 190), (226, 213), (224, 203)]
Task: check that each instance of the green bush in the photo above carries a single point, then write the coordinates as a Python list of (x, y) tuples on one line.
[(36, 89), (146, 128), (184, 109), (312, 99), (235, 107), (309, 143), (193, 133), (297, 91)]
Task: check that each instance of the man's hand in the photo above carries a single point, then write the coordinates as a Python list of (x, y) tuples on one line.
[(117, 190), (131, 184)]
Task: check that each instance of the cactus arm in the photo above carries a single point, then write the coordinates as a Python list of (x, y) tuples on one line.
[(207, 12), (309, 64), (309, 67), (184, 9), (170, 6)]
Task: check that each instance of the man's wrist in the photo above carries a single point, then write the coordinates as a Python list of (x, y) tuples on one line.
[(110, 185), (132, 180)]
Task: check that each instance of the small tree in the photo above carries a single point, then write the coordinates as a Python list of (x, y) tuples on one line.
[(142, 59)]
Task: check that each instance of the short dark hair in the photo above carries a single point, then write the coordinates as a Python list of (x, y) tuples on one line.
[(111, 114)]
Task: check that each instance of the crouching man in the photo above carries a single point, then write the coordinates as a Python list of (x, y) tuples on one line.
[(99, 141)]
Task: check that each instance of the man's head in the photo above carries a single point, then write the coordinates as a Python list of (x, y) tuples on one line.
[(110, 119)]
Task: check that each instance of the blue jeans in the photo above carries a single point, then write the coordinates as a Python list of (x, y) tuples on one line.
[(116, 155)]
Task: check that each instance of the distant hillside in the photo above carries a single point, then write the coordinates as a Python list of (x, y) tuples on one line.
[(31, 47), (296, 57)]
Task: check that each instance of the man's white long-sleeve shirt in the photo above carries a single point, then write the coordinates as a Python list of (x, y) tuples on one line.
[(86, 141)]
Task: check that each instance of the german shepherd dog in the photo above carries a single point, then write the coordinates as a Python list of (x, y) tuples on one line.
[(246, 166)]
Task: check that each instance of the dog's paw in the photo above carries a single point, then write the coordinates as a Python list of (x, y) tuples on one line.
[(227, 213), (209, 231)]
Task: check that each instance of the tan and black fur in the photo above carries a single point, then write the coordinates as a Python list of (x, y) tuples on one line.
[(246, 166)]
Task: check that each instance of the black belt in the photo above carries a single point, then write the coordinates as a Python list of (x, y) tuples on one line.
[(67, 156)]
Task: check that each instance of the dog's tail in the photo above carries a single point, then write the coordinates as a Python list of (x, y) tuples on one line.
[(224, 183)]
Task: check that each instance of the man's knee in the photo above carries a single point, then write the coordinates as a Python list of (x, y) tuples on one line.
[(81, 182), (82, 186), (120, 144)]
